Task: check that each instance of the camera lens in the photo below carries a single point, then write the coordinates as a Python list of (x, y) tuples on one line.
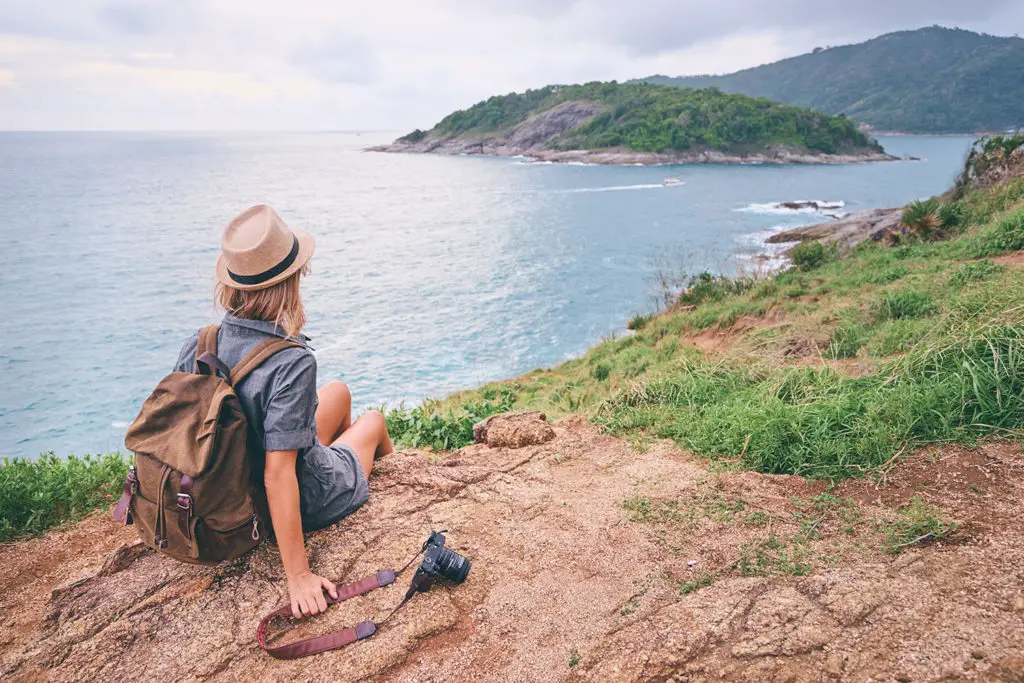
[(452, 566)]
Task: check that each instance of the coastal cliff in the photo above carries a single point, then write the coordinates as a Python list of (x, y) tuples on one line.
[(611, 123)]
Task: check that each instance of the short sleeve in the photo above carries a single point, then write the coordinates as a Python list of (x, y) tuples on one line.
[(187, 357), (290, 420)]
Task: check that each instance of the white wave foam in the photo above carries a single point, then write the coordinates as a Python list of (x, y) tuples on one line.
[(120, 425), (776, 208)]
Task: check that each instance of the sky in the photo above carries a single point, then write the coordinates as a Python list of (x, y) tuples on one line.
[(394, 64)]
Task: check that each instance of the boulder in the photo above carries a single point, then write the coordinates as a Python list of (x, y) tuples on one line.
[(513, 430)]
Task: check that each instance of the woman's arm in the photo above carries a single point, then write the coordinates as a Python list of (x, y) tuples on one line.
[(305, 589)]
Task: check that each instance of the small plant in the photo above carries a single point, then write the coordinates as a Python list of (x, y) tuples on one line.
[(903, 304), (919, 523), (601, 372), (704, 287), (974, 272), (811, 255), (757, 518), (773, 556), (574, 657), (639, 321), (921, 219), (847, 339), (693, 586), (653, 511)]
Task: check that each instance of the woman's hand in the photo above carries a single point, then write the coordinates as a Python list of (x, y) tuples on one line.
[(306, 591)]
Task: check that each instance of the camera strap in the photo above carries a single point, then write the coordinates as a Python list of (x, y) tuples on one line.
[(337, 639)]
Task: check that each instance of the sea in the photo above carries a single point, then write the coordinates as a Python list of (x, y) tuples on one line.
[(431, 273)]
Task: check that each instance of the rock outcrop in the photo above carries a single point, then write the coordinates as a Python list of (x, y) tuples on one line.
[(878, 225), (514, 430), (591, 561)]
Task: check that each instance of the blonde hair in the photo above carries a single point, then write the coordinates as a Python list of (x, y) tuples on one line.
[(280, 304)]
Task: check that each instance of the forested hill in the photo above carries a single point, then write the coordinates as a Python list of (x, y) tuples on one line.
[(933, 80), (645, 118)]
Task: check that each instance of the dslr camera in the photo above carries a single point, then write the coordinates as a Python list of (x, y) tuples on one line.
[(439, 562)]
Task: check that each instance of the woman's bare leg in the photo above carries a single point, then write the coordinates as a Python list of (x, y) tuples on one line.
[(334, 412), (368, 437)]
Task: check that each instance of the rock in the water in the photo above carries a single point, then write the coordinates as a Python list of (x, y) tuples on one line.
[(875, 224), (513, 430)]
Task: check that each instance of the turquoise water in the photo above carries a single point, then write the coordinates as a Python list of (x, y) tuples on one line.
[(431, 273)]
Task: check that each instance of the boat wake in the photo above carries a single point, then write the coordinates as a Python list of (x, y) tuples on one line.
[(618, 188)]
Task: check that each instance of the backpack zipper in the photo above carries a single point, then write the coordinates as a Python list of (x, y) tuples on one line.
[(255, 528)]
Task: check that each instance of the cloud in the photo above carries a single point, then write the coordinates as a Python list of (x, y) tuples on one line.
[(277, 64)]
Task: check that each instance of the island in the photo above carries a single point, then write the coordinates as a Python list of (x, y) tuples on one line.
[(643, 123)]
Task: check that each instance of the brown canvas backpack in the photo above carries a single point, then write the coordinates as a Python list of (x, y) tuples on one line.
[(195, 492)]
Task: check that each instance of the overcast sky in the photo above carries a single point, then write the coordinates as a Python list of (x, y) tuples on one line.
[(394, 64)]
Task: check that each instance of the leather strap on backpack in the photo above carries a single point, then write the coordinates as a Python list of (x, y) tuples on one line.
[(255, 358), (207, 341)]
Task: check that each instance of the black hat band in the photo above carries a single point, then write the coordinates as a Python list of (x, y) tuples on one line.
[(259, 278)]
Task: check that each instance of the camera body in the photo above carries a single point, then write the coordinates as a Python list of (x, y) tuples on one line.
[(439, 562)]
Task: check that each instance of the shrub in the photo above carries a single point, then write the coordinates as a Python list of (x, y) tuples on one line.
[(421, 426), (705, 287), (904, 303), (811, 255), (36, 495), (639, 321), (601, 372), (921, 219)]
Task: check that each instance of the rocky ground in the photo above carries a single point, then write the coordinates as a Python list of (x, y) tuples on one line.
[(877, 225), (591, 561)]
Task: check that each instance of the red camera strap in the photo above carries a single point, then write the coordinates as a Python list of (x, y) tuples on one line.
[(337, 639)]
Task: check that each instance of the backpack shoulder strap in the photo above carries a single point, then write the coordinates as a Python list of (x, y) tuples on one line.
[(255, 358), (207, 341)]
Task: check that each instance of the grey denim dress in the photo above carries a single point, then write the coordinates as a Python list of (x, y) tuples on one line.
[(279, 401)]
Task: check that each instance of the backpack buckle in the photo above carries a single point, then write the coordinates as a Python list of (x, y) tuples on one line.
[(184, 501)]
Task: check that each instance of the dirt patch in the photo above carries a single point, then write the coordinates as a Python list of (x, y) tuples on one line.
[(590, 561), (1012, 259)]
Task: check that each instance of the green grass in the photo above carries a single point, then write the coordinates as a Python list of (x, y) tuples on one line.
[(449, 429), (918, 524), (903, 304), (36, 495)]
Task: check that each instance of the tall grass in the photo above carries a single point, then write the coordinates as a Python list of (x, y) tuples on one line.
[(824, 424), (36, 495)]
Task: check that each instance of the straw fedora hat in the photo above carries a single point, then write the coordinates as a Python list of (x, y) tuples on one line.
[(258, 250)]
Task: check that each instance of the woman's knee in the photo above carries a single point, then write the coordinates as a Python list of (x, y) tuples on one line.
[(336, 391), (375, 421)]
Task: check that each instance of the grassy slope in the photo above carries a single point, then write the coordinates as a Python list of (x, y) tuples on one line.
[(828, 372), (651, 118), (933, 80)]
